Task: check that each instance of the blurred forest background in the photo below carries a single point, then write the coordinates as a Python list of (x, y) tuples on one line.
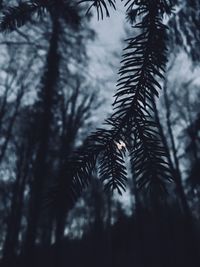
[(58, 73)]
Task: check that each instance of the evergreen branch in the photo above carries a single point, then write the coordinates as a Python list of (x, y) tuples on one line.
[(16, 16), (142, 68), (101, 6), (99, 146), (81, 167), (103, 147), (78, 173), (161, 6), (112, 168)]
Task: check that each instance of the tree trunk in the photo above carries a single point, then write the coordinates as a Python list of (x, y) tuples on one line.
[(40, 170), (175, 170), (14, 223)]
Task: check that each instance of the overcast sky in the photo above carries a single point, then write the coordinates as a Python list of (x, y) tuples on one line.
[(106, 52)]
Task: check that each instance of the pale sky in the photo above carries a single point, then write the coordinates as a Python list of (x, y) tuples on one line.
[(105, 64)]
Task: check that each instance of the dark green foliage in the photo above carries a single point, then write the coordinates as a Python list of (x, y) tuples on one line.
[(16, 16), (82, 164), (132, 121), (101, 6), (111, 166), (142, 66), (112, 172)]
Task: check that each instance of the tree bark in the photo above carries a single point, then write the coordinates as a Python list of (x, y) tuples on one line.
[(49, 82), (14, 223)]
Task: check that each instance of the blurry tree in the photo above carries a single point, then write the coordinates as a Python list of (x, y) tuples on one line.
[(53, 104)]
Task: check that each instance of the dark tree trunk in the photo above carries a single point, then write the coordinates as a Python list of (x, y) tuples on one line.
[(48, 91), (14, 223), (175, 170), (188, 223), (10, 245), (63, 205)]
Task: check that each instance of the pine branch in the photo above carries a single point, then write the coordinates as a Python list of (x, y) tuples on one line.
[(112, 168), (81, 166), (142, 68), (101, 6), (99, 146), (16, 16)]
